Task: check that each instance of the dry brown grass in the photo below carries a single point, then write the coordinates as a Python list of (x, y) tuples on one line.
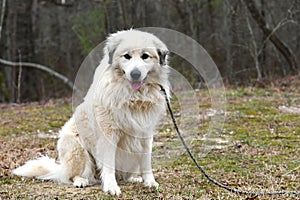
[(263, 153)]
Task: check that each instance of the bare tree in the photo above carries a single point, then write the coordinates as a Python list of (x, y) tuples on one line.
[(272, 36)]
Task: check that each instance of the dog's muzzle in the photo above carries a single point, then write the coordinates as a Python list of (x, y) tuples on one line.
[(136, 82)]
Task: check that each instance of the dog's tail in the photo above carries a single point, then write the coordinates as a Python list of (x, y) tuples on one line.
[(42, 168)]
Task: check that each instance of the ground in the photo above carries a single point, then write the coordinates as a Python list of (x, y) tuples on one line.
[(261, 149)]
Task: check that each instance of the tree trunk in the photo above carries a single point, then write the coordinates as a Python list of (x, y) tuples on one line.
[(11, 52)]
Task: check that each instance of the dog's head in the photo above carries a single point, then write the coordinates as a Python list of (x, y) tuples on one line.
[(139, 56)]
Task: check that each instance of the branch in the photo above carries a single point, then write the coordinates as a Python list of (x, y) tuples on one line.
[(42, 68), (279, 25)]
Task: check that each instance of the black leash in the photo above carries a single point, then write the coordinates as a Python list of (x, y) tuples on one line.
[(215, 182)]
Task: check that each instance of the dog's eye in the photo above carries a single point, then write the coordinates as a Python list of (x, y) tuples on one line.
[(145, 56), (127, 56)]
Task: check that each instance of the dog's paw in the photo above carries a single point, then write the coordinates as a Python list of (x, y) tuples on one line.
[(135, 179), (111, 187), (151, 184), (80, 182)]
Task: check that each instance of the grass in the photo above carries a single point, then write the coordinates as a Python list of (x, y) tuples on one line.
[(261, 150)]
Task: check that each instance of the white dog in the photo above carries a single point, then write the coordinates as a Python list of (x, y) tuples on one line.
[(111, 132)]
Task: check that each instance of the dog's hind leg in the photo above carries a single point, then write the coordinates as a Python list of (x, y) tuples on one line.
[(80, 182), (75, 160)]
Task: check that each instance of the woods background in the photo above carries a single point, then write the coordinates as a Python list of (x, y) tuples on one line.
[(250, 41)]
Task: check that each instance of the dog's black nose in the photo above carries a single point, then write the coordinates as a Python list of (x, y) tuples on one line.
[(135, 74)]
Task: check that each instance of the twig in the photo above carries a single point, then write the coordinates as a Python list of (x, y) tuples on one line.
[(42, 68), (19, 77)]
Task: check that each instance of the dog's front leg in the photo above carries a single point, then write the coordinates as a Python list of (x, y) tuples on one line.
[(147, 174), (149, 180), (106, 162)]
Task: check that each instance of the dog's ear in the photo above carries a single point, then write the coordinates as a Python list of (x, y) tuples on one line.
[(111, 47), (111, 55), (162, 56)]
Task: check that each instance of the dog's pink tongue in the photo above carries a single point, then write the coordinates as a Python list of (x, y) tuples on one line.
[(136, 85)]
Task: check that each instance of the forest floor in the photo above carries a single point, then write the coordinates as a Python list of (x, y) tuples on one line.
[(262, 151)]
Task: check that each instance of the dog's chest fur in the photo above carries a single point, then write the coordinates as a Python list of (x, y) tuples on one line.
[(141, 112), (123, 111)]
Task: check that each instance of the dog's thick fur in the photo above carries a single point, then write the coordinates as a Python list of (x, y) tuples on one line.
[(111, 132)]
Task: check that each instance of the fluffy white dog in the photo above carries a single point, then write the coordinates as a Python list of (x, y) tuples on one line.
[(111, 132)]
